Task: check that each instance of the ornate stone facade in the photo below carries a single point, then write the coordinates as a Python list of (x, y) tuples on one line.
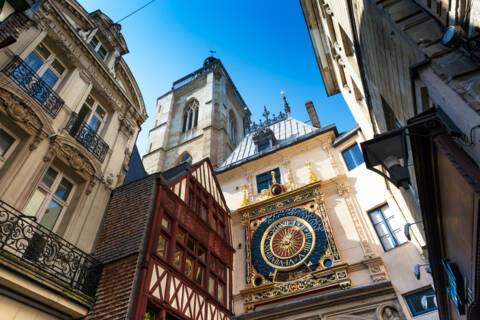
[(63, 153)]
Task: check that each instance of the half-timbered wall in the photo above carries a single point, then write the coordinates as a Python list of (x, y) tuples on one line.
[(190, 254)]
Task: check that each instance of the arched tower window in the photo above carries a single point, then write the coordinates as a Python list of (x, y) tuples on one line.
[(185, 157), (232, 127), (190, 115)]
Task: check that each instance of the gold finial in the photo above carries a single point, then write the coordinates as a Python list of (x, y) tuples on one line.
[(274, 180), (311, 175), (245, 196)]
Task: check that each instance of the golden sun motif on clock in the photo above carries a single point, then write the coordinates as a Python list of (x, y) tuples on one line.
[(287, 242)]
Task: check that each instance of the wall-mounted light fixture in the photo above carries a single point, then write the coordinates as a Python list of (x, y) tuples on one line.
[(416, 270), (406, 229), (387, 155)]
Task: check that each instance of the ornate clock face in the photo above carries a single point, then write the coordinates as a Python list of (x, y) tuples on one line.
[(286, 241)]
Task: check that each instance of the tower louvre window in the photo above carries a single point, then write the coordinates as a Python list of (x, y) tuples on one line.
[(190, 116), (233, 127)]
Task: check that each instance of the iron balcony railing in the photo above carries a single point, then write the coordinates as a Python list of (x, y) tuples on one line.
[(87, 137), (33, 247), (34, 86)]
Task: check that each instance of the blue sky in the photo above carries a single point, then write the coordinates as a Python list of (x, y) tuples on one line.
[(264, 45)]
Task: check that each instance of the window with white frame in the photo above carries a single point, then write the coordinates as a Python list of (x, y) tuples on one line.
[(93, 114), (51, 198), (98, 47), (47, 66), (388, 227), (190, 116)]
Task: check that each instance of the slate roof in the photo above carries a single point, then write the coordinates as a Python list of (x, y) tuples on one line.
[(136, 170), (287, 132)]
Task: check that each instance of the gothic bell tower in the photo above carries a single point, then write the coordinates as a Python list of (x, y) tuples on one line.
[(203, 115)]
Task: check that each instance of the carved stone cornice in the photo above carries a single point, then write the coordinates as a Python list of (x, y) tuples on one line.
[(20, 112), (75, 159)]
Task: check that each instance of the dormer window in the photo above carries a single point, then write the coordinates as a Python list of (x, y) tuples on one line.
[(264, 138), (98, 47), (263, 145)]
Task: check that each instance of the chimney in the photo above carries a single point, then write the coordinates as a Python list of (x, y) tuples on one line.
[(312, 113)]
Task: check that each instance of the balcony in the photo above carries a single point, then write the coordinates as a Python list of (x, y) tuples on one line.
[(42, 254), (34, 86), (87, 137)]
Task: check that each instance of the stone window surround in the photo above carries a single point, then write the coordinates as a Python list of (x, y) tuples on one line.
[(49, 191)]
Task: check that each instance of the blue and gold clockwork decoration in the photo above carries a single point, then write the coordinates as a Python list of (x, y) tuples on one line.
[(287, 240)]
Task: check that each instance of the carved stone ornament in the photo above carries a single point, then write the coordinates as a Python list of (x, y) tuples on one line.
[(390, 313), (20, 112), (126, 159), (36, 141), (70, 156), (127, 126), (377, 270)]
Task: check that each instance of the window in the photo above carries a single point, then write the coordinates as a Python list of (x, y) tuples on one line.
[(50, 199), (6, 143), (98, 47), (190, 257), (190, 116), (263, 145), (93, 114), (387, 227), (264, 180), (352, 156), (217, 279), (421, 302), (47, 66), (232, 127)]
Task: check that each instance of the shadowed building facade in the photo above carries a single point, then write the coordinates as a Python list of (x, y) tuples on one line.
[(409, 72)]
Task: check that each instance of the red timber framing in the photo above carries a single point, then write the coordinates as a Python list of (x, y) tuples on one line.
[(187, 268)]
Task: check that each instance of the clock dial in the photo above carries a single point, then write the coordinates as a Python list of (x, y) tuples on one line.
[(287, 241)]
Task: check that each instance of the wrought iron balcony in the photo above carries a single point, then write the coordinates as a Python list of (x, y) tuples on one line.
[(34, 86), (28, 245), (87, 137)]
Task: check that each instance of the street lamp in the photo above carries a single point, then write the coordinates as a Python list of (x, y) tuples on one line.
[(388, 153)]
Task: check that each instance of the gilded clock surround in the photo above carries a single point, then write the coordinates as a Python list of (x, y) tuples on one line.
[(326, 271)]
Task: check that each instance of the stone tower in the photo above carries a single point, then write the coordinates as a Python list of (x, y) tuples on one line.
[(203, 115)]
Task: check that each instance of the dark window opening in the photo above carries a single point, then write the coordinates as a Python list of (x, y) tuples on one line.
[(264, 180), (421, 302)]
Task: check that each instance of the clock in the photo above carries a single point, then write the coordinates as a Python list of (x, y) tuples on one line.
[(287, 241)]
